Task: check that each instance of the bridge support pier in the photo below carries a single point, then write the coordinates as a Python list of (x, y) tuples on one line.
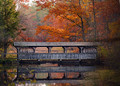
[(49, 49), (80, 49), (18, 51), (33, 49), (65, 49), (49, 76), (66, 75)]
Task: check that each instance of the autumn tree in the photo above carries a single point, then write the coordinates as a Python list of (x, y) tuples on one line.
[(70, 11), (8, 23), (94, 18), (108, 12)]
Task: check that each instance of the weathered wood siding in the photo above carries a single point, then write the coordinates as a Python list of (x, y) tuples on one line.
[(26, 50), (57, 56)]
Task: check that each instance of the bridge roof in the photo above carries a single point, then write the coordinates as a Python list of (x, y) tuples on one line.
[(55, 44)]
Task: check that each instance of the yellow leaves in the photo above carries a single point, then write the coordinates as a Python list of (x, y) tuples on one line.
[(61, 30), (49, 29), (66, 37), (115, 29), (72, 17), (86, 1), (33, 81), (85, 31)]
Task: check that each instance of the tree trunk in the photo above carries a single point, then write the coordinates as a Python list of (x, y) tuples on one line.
[(83, 33), (94, 25), (5, 50), (5, 78), (79, 2), (108, 30), (82, 26)]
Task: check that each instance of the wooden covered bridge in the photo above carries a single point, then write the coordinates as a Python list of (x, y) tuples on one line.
[(26, 50)]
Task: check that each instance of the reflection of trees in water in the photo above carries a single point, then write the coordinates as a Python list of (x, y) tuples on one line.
[(110, 74), (48, 76), (52, 72), (5, 79), (61, 84), (68, 84), (61, 75), (8, 75)]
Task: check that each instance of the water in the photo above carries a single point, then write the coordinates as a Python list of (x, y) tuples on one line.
[(45, 74), (53, 74)]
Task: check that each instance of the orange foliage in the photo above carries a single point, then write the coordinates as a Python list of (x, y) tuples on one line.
[(59, 31), (69, 21), (106, 12)]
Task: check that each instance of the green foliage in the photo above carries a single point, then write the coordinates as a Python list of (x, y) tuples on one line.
[(7, 61), (8, 21), (11, 56), (108, 77), (103, 51), (11, 84), (105, 75), (115, 29), (113, 60), (1, 51)]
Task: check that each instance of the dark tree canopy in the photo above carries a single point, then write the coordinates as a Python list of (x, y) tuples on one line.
[(9, 23)]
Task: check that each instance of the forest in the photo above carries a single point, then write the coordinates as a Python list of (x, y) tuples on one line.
[(64, 21)]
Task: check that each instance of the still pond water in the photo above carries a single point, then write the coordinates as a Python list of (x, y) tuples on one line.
[(53, 74)]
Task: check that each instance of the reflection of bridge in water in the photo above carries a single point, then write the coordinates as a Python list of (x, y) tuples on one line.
[(52, 74)]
